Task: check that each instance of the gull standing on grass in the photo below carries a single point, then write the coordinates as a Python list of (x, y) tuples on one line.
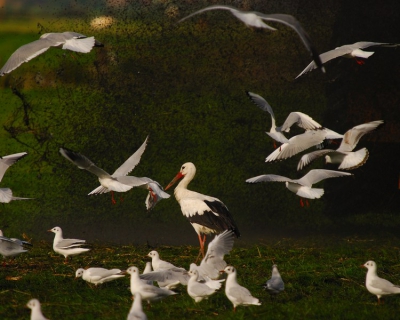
[(10, 247), (36, 310), (148, 292), (136, 311), (200, 290), (165, 273), (118, 181), (348, 51), (6, 194), (98, 275), (206, 214), (376, 285), (344, 155), (256, 19), (275, 285), (237, 294), (66, 40), (66, 247), (303, 186)]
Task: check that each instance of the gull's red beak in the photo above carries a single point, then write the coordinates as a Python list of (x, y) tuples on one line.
[(177, 177)]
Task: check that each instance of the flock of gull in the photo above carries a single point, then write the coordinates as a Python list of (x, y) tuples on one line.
[(208, 215)]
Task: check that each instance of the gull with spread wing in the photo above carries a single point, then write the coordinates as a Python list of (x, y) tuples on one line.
[(6, 194), (344, 155), (66, 40), (348, 51), (303, 186), (256, 19)]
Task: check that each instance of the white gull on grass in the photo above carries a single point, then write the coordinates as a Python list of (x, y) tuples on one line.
[(376, 285), (275, 284), (10, 247), (136, 311), (36, 310), (237, 294), (148, 292), (98, 275), (200, 290), (66, 247)]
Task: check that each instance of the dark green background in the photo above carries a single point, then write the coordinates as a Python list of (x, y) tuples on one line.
[(184, 85)]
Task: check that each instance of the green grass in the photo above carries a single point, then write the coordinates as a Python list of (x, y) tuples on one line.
[(322, 276)]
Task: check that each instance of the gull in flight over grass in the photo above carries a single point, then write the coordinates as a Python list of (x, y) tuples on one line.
[(206, 214), (303, 186), (348, 51), (10, 247), (200, 290), (213, 262), (136, 311), (148, 292), (237, 294), (301, 119), (118, 181), (6, 194), (98, 275), (36, 310), (275, 285), (256, 19), (376, 285), (66, 247), (344, 155), (66, 40)]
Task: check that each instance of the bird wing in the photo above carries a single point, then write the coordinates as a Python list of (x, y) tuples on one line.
[(384, 285), (353, 136), (83, 163), (240, 293), (25, 53), (68, 243), (307, 158), (297, 144), (261, 103), (301, 119), (7, 161), (5, 195), (269, 178), (317, 175), (293, 23), (213, 7), (170, 275), (132, 161)]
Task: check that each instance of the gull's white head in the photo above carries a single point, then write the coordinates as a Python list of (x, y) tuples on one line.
[(133, 270), (193, 273), (55, 230), (153, 254), (79, 272), (230, 270), (370, 265), (33, 304)]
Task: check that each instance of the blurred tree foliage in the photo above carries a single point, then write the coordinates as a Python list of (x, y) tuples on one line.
[(183, 84)]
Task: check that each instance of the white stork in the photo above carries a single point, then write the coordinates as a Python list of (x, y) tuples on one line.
[(206, 214)]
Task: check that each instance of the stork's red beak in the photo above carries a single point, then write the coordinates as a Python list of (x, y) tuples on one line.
[(177, 177)]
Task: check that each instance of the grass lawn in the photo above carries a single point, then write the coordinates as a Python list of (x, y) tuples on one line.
[(323, 280)]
